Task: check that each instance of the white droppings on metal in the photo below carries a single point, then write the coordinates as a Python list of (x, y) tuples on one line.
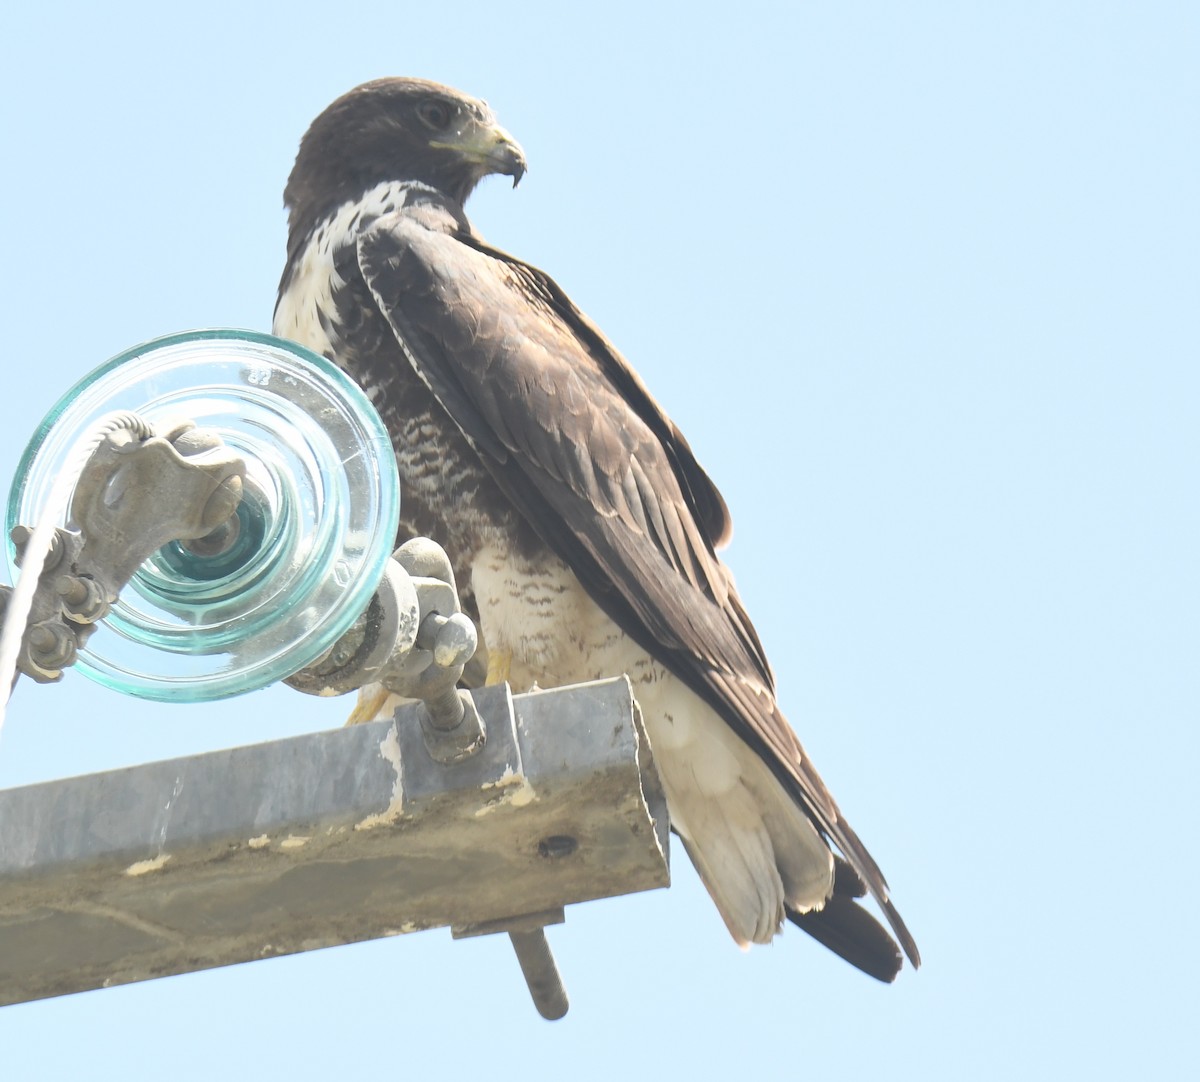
[(515, 792), (261, 842), (389, 751), (294, 841), (141, 867)]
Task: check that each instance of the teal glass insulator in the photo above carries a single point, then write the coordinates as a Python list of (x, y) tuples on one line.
[(317, 522)]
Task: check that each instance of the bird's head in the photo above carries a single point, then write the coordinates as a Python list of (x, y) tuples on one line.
[(399, 129)]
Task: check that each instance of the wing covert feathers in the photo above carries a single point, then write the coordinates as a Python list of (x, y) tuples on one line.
[(574, 439)]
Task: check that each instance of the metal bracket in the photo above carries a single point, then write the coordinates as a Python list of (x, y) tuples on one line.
[(139, 489), (331, 838), (143, 487), (415, 641)]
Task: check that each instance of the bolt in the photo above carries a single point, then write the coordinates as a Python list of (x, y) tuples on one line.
[(42, 639), (445, 708), (20, 538), (451, 725), (82, 599), (51, 646), (541, 974)]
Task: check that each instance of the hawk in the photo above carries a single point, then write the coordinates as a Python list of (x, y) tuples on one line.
[(583, 532)]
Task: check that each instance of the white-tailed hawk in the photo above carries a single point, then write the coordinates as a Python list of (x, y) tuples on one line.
[(582, 529)]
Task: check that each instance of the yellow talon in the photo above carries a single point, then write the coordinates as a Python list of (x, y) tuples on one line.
[(499, 665), (370, 702)]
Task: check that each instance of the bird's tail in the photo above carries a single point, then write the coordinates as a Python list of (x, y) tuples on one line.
[(850, 930)]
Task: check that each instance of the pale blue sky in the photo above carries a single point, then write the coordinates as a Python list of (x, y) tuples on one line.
[(919, 282)]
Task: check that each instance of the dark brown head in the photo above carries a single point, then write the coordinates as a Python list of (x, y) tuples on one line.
[(397, 129)]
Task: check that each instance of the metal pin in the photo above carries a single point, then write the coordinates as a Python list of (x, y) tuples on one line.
[(541, 974)]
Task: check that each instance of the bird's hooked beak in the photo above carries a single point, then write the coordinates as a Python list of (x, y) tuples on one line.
[(511, 158), (490, 148)]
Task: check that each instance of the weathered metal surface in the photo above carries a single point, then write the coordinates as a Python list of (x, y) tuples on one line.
[(326, 838)]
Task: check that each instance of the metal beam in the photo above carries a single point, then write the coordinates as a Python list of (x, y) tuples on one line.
[(328, 838)]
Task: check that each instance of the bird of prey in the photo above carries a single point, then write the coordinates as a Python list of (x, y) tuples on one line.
[(583, 532)]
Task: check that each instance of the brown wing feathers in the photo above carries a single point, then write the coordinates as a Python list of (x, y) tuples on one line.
[(573, 437)]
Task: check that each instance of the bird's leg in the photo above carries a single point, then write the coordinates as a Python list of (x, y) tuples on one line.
[(370, 702), (499, 666)]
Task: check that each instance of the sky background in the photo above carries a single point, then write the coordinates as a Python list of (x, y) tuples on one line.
[(919, 281)]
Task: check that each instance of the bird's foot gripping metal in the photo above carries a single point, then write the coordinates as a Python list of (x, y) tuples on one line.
[(140, 488)]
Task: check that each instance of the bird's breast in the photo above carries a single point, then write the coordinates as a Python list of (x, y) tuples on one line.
[(447, 493)]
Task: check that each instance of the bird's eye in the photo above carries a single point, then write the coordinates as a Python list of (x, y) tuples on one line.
[(437, 115)]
